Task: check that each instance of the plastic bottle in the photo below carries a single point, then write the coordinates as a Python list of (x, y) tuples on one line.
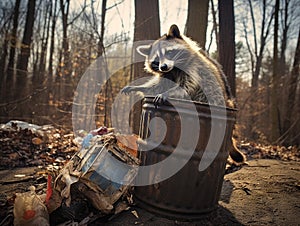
[(29, 209)]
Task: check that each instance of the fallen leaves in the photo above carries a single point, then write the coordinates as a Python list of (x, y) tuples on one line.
[(259, 151), (23, 144)]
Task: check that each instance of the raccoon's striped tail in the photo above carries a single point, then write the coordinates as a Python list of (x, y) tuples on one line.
[(236, 155)]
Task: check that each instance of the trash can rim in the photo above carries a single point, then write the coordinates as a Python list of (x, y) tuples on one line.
[(197, 103)]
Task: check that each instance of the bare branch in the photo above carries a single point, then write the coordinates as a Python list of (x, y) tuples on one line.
[(215, 24), (114, 5), (24, 99), (79, 14), (249, 47), (253, 26)]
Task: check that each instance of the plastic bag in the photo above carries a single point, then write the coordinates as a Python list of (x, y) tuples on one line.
[(29, 209), (100, 131)]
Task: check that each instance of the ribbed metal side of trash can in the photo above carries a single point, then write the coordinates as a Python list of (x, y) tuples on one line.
[(189, 193)]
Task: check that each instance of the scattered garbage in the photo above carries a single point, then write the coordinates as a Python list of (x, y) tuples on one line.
[(29, 209), (100, 131), (82, 188), (85, 182), (98, 175)]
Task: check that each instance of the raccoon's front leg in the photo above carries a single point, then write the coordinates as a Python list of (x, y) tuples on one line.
[(128, 89), (175, 92), (160, 99)]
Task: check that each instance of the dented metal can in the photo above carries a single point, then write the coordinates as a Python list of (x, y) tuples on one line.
[(108, 166), (102, 173), (190, 192)]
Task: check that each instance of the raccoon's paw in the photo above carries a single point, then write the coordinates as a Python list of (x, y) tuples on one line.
[(127, 89), (160, 99)]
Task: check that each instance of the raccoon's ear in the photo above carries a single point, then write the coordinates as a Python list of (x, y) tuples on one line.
[(174, 32), (144, 50)]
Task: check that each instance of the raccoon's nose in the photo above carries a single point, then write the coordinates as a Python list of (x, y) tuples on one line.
[(163, 67)]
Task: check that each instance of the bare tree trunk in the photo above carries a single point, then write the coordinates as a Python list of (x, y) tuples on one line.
[(284, 39), (23, 58), (13, 40), (146, 27), (256, 55), (45, 38), (63, 79), (10, 70), (64, 6), (36, 48), (274, 99), (196, 25), (101, 51), (285, 15), (102, 29), (53, 16), (292, 85), (227, 41), (258, 51), (3, 59), (215, 24)]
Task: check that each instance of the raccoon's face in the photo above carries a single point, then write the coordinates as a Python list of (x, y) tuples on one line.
[(160, 56), (165, 53)]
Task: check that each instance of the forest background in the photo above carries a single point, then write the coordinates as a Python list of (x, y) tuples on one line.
[(47, 46)]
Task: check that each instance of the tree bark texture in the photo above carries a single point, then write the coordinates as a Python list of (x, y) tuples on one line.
[(23, 58), (196, 25), (227, 41), (274, 99), (292, 91), (146, 27), (13, 40)]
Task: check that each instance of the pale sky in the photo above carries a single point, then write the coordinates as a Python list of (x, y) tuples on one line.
[(121, 17)]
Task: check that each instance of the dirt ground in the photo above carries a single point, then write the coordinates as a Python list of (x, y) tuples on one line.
[(266, 192)]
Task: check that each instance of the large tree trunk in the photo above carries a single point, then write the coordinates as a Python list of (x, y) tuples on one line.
[(102, 29), (292, 85), (63, 78), (196, 25), (45, 38), (65, 69), (274, 99), (284, 38), (13, 39), (215, 25), (108, 86), (3, 93), (227, 41), (23, 58), (146, 27)]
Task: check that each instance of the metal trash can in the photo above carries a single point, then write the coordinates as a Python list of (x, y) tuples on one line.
[(189, 193)]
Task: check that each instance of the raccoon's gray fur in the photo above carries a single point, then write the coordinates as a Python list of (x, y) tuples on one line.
[(178, 59), (181, 70)]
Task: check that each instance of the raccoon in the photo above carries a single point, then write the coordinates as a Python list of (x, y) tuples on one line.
[(182, 70)]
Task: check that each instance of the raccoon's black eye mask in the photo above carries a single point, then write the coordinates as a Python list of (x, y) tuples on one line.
[(155, 65)]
